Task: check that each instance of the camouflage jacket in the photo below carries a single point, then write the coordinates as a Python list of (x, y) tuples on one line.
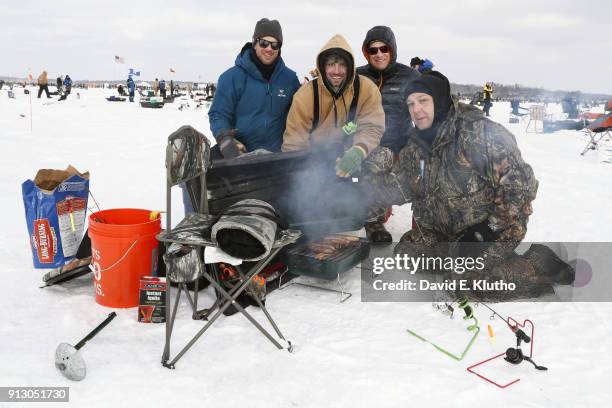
[(473, 172)]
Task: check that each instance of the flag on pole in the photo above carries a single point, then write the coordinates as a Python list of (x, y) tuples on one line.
[(119, 60), (30, 76), (133, 72), (172, 71)]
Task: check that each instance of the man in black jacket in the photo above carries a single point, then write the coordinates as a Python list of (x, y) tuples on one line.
[(380, 50)]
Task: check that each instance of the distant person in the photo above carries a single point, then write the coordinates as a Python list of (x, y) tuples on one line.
[(156, 87), (421, 65), (515, 105), (121, 90), (569, 104), (171, 87), (487, 94), (162, 88), (67, 88), (131, 87), (43, 84), (59, 84), (213, 88)]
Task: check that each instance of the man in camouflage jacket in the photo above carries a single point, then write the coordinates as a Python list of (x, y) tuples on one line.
[(462, 172)]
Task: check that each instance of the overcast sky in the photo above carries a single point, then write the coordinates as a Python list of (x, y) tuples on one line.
[(557, 44)]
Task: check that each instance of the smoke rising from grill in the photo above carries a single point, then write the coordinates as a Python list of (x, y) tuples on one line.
[(323, 202), (302, 186)]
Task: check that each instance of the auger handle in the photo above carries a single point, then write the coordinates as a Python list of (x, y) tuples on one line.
[(95, 331)]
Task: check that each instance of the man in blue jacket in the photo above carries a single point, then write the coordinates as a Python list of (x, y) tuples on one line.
[(131, 87), (162, 88), (422, 65), (67, 88), (253, 97)]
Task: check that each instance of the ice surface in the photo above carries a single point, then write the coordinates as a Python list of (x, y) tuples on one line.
[(351, 354)]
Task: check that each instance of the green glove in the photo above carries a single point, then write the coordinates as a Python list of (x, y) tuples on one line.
[(350, 161)]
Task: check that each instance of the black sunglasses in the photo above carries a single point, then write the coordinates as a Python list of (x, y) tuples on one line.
[(374, 50), (264, 43)]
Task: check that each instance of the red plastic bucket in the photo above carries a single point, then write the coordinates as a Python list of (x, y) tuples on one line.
[(124, 249)]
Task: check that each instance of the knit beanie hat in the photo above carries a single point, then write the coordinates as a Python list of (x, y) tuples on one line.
[(435, 85), (265, 27), (416, 61)]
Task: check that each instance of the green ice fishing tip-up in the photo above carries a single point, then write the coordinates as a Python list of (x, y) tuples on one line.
[(464, 304)]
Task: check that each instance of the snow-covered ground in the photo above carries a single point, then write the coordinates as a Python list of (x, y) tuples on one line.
[(351, 354)]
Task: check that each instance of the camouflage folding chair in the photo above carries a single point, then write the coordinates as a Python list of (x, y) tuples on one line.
[(187, 161)]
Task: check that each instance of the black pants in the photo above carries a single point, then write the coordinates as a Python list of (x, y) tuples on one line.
[(65, 95), (487, 107), (42, 88)]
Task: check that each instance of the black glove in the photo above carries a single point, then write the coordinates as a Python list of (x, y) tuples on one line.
[(229, 146), (474, 240)]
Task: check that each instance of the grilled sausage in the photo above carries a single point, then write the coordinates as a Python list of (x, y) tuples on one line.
[(349, 238), (336, 243), (322, 257), (320, 248)]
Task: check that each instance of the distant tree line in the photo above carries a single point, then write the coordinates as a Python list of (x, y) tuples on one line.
[(503, 92)]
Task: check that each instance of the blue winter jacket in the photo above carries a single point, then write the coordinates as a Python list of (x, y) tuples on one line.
[(258, 109), (131, 85), (67, 81)]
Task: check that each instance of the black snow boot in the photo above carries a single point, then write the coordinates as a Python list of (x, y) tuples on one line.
[(548, 265), (513, 269)]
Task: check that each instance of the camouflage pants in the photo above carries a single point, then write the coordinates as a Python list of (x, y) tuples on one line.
[(499, 260), (379, 161)]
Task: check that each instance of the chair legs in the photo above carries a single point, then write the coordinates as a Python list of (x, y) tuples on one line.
[(594, 139), (230, 300)]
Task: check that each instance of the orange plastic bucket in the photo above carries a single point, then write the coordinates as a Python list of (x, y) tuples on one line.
[(123, 249)]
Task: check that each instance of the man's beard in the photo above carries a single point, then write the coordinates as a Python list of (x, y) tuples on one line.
[(337, 89)]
